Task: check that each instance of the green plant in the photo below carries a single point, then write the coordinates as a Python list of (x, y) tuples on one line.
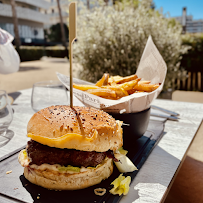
[(54, 34), (30, 53), (112, 39), (27, 53), (193, 60)]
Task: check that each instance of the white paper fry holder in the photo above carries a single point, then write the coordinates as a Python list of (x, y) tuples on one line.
[(72, 37), (151, 67)]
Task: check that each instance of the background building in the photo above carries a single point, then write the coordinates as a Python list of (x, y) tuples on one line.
[(54, 13), (64, 4), (190, 25), (35, 16), (32, 17)]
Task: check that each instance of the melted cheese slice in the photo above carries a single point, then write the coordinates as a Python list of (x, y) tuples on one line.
[(69, 140)]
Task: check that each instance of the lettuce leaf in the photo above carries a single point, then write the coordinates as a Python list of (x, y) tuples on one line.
[(69, 168)]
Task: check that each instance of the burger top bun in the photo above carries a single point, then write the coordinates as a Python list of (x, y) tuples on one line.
[(81, 128)]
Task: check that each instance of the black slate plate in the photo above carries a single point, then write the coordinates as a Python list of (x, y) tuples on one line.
[(15, 187)]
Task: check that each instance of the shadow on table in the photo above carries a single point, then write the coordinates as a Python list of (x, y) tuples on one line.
[(15, 95), (6, 138), (39, 194), (158, 176), (27, 68)]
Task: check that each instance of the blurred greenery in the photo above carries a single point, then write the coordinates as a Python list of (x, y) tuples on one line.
[(122, 3), (193, 60), (112, 39), (30, 53), (54, 33)]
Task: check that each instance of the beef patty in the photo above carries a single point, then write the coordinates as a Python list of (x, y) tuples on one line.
[(40, 154)]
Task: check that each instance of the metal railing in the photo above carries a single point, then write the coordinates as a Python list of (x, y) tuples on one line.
[(194, 82)]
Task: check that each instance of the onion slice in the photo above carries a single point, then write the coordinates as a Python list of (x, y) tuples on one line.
[(124, 164)]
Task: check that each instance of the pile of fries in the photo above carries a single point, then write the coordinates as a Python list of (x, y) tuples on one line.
[(116, 87)]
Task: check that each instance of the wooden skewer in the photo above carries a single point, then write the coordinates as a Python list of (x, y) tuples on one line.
[(72, 37)]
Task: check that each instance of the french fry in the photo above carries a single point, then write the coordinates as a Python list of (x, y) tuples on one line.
[(84, 87), (125, 92), (103, 92), (113, 79), (131, 91), (146, 87), (112, 82), (116, 87), (144, 82), (103, 81), (127, 79), (119, 80), (129, 85), (120, 92)]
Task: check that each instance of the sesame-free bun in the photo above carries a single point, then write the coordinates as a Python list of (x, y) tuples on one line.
[(80, 128), (63, 181)]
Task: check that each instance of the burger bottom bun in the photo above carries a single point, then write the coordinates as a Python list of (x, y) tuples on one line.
[(65, 181)]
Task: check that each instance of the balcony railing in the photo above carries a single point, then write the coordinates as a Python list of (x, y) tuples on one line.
[(37, 3), (24, 13)]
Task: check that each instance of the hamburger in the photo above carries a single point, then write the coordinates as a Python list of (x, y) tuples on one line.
[(70, 148)]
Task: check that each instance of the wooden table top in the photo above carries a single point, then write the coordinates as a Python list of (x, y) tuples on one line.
[(153, 180)]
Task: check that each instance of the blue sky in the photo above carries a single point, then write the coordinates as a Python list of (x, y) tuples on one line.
[(174, 7)]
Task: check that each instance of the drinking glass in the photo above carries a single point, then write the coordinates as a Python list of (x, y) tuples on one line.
[(48, 93), (6, 113)]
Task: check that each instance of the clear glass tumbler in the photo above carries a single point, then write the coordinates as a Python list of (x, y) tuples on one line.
[(48, 93), (6, 113)]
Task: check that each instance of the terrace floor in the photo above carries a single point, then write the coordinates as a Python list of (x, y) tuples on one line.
[(35, 71)]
